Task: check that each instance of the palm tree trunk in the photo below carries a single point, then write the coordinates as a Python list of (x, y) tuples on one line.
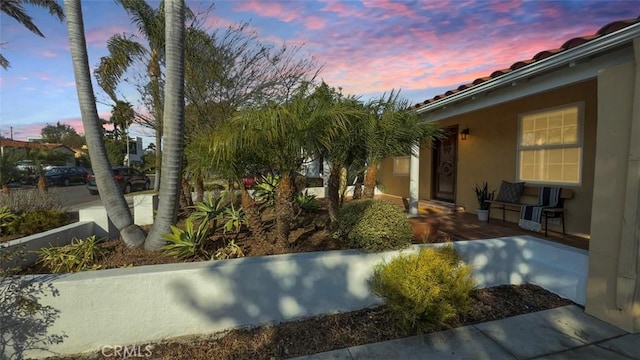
[(333, 189), (370, 180), (173, 126), (186, 200), (357, 187), (199, 188), (5, 189), (110, 191), (42, 183), (254, 219), (284, 210)]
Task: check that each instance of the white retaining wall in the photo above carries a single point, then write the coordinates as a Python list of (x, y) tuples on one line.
[(147, 303)]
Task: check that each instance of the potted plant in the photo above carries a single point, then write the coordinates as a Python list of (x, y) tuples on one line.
[(483, 195)]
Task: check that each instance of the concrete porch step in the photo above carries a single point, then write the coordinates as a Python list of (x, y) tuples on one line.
[(439, 207)]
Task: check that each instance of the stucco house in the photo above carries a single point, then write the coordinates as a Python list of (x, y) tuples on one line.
[(22, 147), (567, 117)]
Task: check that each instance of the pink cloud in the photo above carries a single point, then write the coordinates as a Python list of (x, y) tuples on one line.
[(99, 36), (271, 9), (505, 6), (314, 22), (48, 54)]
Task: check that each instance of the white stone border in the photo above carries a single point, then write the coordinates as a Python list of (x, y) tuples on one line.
[(149, 303)]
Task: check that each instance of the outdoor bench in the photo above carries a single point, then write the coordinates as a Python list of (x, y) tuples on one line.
[(533, 191)]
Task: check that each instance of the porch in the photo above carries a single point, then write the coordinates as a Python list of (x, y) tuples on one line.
[(459, 225)]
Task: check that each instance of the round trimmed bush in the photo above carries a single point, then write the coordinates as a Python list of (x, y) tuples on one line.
[(374, 225), (425, 290)]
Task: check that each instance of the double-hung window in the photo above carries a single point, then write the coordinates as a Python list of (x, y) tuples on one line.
[(550, 145)]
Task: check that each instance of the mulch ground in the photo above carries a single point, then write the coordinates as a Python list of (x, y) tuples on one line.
[(337, 331)]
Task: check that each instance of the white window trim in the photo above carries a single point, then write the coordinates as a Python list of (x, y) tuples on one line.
[(580, 144), (396, 172)]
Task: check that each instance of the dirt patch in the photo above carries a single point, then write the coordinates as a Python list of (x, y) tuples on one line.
[(337, 331)]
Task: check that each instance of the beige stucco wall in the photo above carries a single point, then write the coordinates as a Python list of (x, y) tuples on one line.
[(613, 288), (489, 153)]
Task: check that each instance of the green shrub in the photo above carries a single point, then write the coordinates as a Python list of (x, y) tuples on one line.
[(186, 243), (6, 217), (31, 200), (424, 290), (80, 255), (307, 202), (37, 222), (373, 225)]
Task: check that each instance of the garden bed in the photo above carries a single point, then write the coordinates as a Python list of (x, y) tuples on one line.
[(336, 331)]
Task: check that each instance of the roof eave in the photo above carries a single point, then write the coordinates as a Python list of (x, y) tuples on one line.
[(591, 48)]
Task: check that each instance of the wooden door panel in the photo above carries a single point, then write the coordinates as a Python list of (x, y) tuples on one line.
[(444, 171)]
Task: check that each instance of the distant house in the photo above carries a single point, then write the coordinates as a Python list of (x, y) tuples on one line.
[(567, 117), (22, 148), (136, 151)]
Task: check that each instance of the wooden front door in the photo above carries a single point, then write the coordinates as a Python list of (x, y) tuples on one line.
[(445, 154)]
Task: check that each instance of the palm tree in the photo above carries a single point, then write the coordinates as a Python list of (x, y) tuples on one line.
[(15, 9), (124, 51), (392, 130), (286, 135), (173, 126), (209, 151), (347, 147), (110, 192)]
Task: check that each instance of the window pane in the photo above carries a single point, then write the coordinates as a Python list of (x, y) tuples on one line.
[(401, 165), (555, 121), (572, 156), (570, 135), (527, 138), (527, 124), (541, 137), (552, 165), (555, 136)]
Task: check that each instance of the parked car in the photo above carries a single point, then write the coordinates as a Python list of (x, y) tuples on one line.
[(128, 178), (65, 175)]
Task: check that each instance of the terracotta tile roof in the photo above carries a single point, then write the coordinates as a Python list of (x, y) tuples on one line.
[(569, 44), (27, 144)]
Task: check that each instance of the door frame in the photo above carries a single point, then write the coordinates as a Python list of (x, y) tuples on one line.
[(448, 130)]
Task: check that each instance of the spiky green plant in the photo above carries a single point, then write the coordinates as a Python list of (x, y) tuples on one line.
[(80, 255), (187, 243)]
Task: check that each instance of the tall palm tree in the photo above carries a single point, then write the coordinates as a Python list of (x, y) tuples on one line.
[(392, 130), (110, 192), (173, 126), (125, 50), (15, 9)]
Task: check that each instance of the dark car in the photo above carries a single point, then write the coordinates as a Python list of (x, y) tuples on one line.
[(66, 175), (128, 178)]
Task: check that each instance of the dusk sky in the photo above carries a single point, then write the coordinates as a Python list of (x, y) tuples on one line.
[(366, 47)]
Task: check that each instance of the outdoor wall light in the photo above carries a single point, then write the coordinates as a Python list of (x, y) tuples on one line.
[(464, 133)]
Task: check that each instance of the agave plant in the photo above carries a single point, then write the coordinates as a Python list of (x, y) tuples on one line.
[(186, 243), (307, 202), (265, 189), (211, 209), (235, 219)]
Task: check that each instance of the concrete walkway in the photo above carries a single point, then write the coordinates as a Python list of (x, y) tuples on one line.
[(561, 333)]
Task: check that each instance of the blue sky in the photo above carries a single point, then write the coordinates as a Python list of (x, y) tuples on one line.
[(366, 47)]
